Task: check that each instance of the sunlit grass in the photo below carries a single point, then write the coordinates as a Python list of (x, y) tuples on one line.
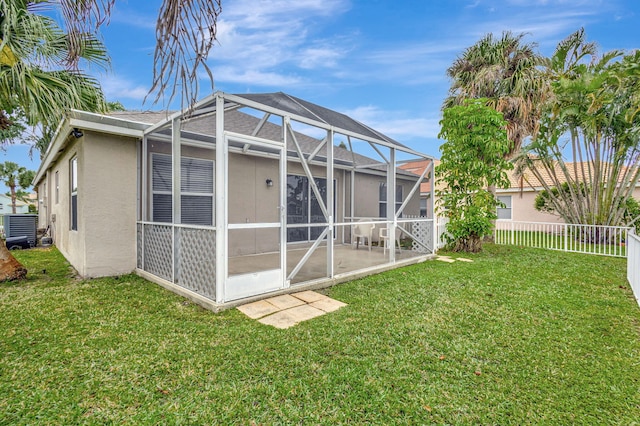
[(518, 336)]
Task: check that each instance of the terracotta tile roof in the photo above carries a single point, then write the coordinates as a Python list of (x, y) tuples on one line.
[(527, 180), (576, 171), (417, 167)]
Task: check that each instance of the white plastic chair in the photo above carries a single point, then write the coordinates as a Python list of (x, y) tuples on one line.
[(384, 238), (364, 231)]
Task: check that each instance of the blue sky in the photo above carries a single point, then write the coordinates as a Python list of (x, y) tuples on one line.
[(381, 61)]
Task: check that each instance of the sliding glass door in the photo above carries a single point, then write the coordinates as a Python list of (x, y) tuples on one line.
[(303, 208)]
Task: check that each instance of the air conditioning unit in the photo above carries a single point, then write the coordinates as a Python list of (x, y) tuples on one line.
[(21, 225)]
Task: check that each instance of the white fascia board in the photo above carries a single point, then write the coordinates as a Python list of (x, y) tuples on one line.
[(86, 121), (106, 128)]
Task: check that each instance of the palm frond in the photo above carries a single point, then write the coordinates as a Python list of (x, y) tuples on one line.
[(185, 33)]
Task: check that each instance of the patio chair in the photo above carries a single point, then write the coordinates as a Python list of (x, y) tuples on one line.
[(384, 238), (364, 231)]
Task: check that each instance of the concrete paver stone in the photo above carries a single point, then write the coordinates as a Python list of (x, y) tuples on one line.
[(328, 304), (286, 310), (309, 296), (280, 320), (285, 301), (258, 309), (304, 313), (462, 259)]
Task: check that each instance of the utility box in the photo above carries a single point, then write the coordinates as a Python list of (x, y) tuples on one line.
[(21, 225)]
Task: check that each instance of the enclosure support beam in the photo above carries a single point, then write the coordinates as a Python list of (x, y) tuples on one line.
[(175, 183), (432, 198), (379, 152), (307, 255), (282, 209), (330, 203), (315, 151), (413, 190), (391, 202), (176, 155), (307, 170), (221, 202), (261, 124)]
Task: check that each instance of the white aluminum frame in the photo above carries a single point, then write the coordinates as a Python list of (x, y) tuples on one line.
[(216, 104)]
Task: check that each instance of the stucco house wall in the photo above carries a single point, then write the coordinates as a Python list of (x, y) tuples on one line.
[(57, 210), (522, 207), (106, 204), (523, 203)]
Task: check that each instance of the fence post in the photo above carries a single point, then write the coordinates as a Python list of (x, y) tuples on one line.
[(566, 237)]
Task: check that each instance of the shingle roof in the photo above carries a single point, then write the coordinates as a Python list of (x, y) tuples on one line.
[(526, 180), (147, 117), (239, 122)]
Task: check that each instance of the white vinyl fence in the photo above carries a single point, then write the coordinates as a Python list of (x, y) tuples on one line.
[(633, 264), (589, 239), (441, 229)]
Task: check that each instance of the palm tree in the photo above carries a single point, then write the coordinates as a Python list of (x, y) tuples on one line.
[(508, 73), (39, 78), (15, 176), (185, 33), (593, 115)]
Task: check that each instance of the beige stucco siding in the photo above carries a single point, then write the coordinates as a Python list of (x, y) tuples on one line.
[(104, 242), (367, 196), (523, 210), (252, 201), (58, 210), (107, 204)]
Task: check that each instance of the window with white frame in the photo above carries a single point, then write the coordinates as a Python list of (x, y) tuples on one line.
[(383, 199), (196, 186), (57, 182), (504, 212), (73, 180)]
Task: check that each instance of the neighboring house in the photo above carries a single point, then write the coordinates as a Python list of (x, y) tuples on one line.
[(518, 198), (6, 206), (229, 201), (419, 167)]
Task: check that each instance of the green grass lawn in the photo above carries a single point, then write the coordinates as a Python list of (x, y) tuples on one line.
[(519, 336)]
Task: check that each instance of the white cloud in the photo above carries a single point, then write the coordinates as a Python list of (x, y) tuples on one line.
[(315, 57), (117, 89), (259, 38), (253, 77)]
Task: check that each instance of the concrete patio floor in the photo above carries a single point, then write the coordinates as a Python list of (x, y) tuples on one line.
[(346, 259)]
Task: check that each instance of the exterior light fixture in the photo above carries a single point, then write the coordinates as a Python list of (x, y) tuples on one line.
[(269, 182), (77, 133)]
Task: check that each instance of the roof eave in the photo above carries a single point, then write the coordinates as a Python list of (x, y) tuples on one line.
[(85, 121)]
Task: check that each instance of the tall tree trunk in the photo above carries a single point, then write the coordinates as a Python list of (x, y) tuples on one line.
[(489, 238), (13, 199), (10, 268)]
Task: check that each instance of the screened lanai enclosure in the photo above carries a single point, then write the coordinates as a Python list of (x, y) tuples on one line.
[(260, 194)]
